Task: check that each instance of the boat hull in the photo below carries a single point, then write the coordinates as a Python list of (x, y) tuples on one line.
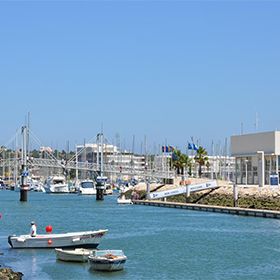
[(57, 188), (107, 265), (89, 239), (124, 201), (78, 255), (87, 191)]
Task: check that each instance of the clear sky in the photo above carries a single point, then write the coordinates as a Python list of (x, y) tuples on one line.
[(169, 70)]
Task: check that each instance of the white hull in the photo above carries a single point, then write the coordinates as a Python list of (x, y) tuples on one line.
[(87, 187), (107, 266), (86, 239), (77, 255), (107, 261), (124, 201), (56, 188), (87, 191)]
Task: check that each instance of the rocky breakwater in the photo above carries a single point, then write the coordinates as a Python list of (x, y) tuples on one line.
[(9, 274)]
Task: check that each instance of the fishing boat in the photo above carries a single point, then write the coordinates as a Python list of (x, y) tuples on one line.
[(107, 260), (56, 184), (87, 187), (77, 255), (84, 239)]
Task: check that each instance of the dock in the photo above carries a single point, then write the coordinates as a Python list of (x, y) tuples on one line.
[(210, 208)]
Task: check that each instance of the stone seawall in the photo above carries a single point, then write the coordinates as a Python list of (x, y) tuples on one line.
[(248, 197), (209, 208)]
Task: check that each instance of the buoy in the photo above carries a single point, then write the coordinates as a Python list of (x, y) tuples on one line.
[(0, 215), (49, 229), (50, 242)]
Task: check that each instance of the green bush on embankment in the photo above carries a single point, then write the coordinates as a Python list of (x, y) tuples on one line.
[(254, 202)]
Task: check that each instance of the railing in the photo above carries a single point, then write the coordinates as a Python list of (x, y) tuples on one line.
[(85, 166)]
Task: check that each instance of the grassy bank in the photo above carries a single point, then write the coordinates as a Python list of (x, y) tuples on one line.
[(253, 202)]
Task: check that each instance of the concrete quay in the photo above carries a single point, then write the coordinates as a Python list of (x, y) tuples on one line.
[(210, 208)]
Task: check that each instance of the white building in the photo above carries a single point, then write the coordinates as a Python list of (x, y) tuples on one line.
[(257, 157), (111, 155)]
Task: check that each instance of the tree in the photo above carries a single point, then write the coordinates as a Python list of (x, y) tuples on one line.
[(201, 158), (180, 161)]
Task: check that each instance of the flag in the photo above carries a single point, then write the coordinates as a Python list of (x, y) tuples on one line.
[(192, 147), (167, 149), (174, 156), (170, 149), (195, 147)]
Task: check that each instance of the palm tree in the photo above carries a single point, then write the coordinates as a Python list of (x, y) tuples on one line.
[(201, 158), (180, 161)]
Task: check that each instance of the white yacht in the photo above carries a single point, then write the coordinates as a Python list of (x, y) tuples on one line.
[(56, 184), (87, 187)]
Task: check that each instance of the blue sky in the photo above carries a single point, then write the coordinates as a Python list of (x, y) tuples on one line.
[(169, 70)]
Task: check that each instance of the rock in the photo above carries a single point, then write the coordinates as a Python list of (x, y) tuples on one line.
[(9, 274)]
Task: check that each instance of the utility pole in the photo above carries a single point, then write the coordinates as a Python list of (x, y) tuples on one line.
[(100, 181), (77, 170), (24, 172)]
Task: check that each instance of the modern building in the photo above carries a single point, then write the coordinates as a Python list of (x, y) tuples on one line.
[(91, 153), (257, 157)]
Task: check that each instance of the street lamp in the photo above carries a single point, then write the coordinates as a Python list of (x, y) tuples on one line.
[(246, 172)]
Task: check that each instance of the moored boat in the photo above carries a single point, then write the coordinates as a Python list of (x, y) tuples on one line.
[(123, 200), (85, 239), (56, 184), (108, 189), (87, 187), (77, 255), (107, 260)]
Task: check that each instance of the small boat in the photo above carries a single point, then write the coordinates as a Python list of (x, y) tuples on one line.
[(84, 239), (107, 260), (123, 200), (87, 187), (108, 189), (77, 255)]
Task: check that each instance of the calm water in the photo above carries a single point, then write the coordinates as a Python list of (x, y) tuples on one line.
[(160, 243)]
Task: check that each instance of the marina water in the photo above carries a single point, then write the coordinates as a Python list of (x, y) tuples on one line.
[(160, 243)]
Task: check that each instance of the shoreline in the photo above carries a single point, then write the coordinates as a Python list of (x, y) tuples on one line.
[(250, 196), (7, 273), (210, 208)]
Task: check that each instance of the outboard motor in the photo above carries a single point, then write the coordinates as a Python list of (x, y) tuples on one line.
[(9, 240)]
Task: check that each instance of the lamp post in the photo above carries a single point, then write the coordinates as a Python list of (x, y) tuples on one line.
[(246, 171)]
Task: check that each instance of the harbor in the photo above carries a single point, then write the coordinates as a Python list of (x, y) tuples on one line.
[(139, 140), (80, 196), (172, 243)]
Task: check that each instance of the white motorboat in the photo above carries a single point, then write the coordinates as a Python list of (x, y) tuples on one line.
[(77, 255), (84, 239), (87, 187), (123, 200), (107, 260), (56, 184)]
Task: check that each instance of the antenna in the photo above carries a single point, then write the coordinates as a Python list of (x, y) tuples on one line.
[(241, 128)]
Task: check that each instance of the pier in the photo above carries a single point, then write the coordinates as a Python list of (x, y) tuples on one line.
[(210, 208)]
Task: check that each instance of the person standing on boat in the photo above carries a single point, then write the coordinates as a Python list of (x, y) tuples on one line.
[(33, 229)]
